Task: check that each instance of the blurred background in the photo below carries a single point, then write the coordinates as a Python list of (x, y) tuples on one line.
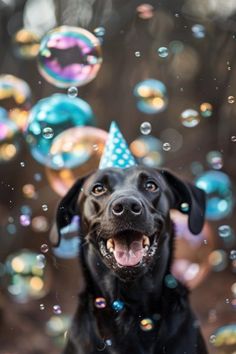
[(165, 72)]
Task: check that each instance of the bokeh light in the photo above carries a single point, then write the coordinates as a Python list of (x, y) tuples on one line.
[(9, 144), (206, 110), (15, 97), (148, 150), (28, 277), (48, 118), (215, 159), (151, 96), (218, 189), (69, 56), (25, 44), (57, 327)]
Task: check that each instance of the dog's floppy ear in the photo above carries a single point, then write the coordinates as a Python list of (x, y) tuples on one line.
[(184, 192), (65, 211)]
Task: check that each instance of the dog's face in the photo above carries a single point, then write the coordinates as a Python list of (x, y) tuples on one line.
[(125, 214)]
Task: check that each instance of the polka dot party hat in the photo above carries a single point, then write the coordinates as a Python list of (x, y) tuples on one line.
[(116, 152)]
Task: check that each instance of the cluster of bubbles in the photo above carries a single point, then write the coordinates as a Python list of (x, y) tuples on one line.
[(151, 96), (190, 117), (69, 56)]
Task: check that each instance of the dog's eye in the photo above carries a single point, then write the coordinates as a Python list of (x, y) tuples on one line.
[(99, 189), (151, 186)]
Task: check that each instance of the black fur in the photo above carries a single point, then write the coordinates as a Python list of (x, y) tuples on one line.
[(142, 288)]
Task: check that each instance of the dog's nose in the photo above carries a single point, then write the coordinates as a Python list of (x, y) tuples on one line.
[(128, 204)]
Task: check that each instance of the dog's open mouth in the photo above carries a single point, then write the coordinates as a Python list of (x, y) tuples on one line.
[(128, 248)]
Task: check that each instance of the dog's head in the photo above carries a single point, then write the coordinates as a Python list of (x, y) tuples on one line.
[(125, 214)]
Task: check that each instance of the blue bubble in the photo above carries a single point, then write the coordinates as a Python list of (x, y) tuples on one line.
[(118, 305), (151, 96), (218, 189), (57, 113)]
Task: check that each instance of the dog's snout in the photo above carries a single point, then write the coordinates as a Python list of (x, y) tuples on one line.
[(128, 204)]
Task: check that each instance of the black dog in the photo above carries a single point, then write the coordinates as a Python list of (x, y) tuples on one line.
[(126, 253)]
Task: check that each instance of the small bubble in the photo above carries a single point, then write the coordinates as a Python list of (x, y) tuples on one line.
[(163, 52), (41, 261), (95, 147), (57, 309), (108, 342), (99, 31), (232, 255), (212, 338), (42, 307), (137, 54), (205, 242), (25, 220), (44, 248), (48, 133), (166, 146), (72, 92), (145, 128), (44, 207), (233, 138), (231, 99), (224, 231), (22, 164)]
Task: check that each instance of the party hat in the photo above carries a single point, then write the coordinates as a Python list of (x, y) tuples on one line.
[(116, 152)]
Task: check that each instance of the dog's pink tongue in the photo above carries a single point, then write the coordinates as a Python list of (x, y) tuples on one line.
[(128, 255)]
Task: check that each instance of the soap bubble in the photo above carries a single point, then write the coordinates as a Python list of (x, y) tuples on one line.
[(25, 44), (215, 159), (206, 110), (9, 144), (151, 96), (75, 146), (198, 31), (225, 231), (166, 146), (146, 324), (44, 248), (231, 99), (57, 327), (232, 255), (57, 309), (148, 150), (69, 56), (48, 118), (190, 118), (224, 337), (26, 279), (99, 32), (15, 97), (72, 91), (145, 128), (163, 52), (218, 189), (218, 260)]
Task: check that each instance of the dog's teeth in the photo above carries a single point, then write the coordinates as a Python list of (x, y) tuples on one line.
[(146, 241), (110, 245)]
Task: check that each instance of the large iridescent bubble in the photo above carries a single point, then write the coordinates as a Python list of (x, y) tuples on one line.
[(28, 276), (9, 142), (50, 117), (151, 96), (93, 139), (218, 189), (15, 97), (69, 56)]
